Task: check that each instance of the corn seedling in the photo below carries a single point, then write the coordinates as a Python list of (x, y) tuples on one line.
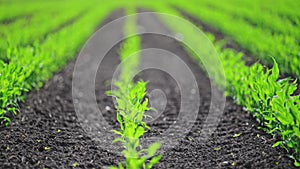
[(131, 107)]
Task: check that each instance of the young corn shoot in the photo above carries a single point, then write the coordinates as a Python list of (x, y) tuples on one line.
[(130, 112), (131, 106)]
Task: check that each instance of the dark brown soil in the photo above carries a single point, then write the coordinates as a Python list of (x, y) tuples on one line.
[(46, 133)]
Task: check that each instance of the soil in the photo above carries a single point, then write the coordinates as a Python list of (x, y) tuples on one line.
[(46, 133)]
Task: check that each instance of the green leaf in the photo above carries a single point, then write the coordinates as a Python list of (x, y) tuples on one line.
[(276, 144), (118, 140), (153, 148), (154, 161), (145, 125), (297, 164), (290, 144), (117, 132), (275, 71), (296, 131), (119, 119), (109, 93), (139, 132)]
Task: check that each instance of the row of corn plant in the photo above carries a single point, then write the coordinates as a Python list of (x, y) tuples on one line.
[(260, 42), (268, 98), (132, 104), (35, 27), (13, 10), (286, 9), (259, 15), (258, 89), (31, 65)]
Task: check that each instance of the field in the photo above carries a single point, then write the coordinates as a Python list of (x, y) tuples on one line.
[(160, 84)]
